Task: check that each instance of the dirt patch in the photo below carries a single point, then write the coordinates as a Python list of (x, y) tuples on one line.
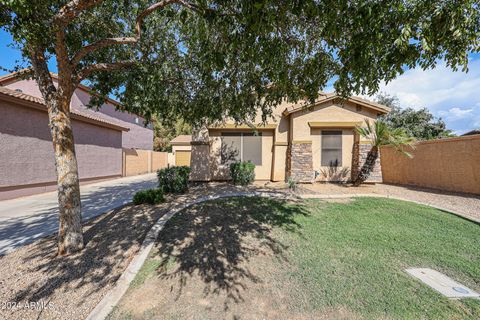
[(222, 260), (70, 287)]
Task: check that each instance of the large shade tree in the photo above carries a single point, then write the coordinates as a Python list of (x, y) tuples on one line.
[(207, 59), (420, 124)]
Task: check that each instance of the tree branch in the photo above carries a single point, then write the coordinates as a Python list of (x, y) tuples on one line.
[(73, 9), (98, 45), (42, 74), (84, 73), (138, 29)]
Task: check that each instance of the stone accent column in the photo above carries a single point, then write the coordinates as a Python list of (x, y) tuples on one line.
[(376, 175), (301, 162), (200, 158), (360, 152)]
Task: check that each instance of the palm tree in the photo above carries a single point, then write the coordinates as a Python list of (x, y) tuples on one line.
[(380, 135)]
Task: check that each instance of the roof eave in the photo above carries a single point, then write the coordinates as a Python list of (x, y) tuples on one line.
[(359, 101), (42, 107)]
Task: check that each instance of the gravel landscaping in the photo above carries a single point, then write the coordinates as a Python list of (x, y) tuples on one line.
[(70, 287)]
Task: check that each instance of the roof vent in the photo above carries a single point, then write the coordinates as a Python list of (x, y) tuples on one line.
[(19, 90)]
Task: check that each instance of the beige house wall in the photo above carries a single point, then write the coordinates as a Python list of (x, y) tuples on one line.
[(221, 172), (447, 164), (329, 112)]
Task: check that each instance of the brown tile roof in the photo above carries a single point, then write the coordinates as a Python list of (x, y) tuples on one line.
[(77, 112), (324, 97), (181, 139), (15, 76)]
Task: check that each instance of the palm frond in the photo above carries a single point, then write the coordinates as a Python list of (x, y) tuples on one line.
[(380, 134)]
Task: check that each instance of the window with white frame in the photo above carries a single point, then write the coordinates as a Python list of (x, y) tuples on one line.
[(331, 148), (241, 146)]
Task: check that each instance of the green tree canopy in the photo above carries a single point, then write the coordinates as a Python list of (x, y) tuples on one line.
[(421, 124), (204, 60), (209, 59), (165, 132)]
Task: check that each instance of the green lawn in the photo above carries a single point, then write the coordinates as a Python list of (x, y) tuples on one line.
[(262, 258), (355, 254)]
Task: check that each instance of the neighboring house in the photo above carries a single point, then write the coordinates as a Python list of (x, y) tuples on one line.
[(315, 142), (471, 133), (137, 137), (181, 150), (27, 164)]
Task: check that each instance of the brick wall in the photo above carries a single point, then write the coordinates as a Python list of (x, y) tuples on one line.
[(142, 161), (445, 164)]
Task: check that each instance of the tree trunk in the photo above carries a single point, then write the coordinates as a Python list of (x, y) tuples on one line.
[(70, 237), (367, 167)]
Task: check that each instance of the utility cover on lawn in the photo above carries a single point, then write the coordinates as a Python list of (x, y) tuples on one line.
[(442, 283)]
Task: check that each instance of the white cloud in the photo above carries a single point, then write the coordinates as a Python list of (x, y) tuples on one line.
[(452, 95), (456, 113)]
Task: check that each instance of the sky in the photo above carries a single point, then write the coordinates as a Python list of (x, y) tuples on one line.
[(453, 96)]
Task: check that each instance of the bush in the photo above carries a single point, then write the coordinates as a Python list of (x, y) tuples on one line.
[(174, 179), (151, 196), (242, 172)]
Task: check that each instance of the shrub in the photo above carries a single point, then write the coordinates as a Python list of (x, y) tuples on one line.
[(292, 184), (242, 172), (151, 196), (174, 179)]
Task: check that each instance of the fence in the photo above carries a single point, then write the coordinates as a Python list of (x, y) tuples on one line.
[(142, 161), (447, 164)]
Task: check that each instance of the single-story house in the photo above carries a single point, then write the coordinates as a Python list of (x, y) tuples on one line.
[(304, 142), (181, 150), (27, 163)]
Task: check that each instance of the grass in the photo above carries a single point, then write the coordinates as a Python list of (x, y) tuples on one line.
[(264, 258), (356, 254)]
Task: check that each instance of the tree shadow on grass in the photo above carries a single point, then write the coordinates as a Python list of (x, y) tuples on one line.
[(215, 241)]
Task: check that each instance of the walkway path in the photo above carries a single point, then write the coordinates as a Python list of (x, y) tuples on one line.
[(25, 219)]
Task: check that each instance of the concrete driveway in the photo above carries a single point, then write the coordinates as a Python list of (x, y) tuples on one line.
[(25, 219)]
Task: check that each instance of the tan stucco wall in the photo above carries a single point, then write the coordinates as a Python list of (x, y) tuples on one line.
[(447, 164), (295, 127), (221, 172), (329, 112)]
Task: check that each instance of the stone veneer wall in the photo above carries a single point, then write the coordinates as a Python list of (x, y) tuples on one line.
[(301, 162), (376, 175)]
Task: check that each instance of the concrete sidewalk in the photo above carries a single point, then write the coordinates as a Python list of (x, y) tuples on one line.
[(25, 219)]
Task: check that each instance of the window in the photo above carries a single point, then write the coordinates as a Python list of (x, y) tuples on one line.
[(241, 146), (331, 148)]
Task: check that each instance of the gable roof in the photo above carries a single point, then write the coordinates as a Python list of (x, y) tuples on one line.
[(182, 139), (325, 97), (81, 114)]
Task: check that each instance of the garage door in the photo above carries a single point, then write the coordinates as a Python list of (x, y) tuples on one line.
[(182, 158)]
